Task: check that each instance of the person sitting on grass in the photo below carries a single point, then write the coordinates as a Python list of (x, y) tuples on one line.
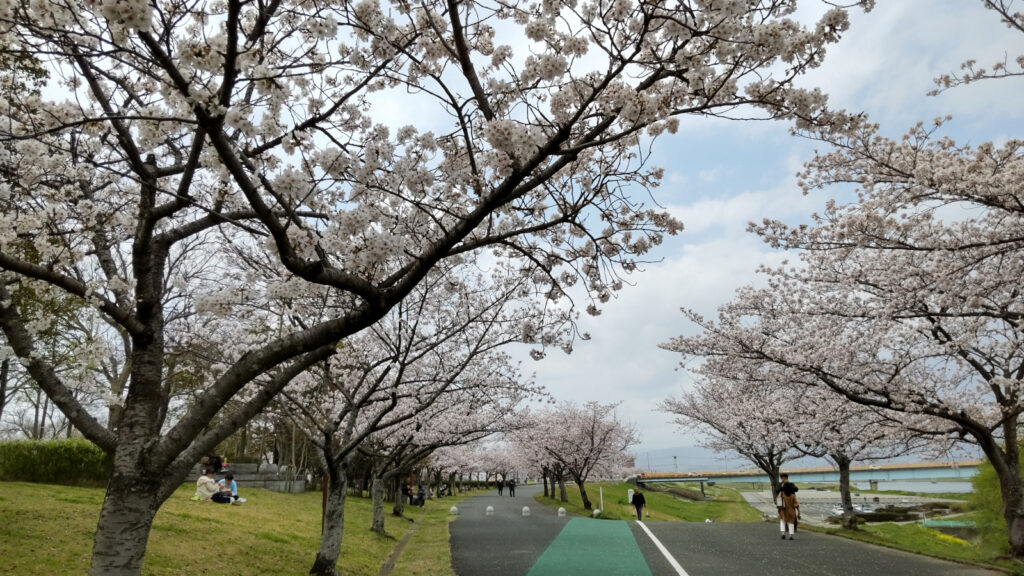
[(229, 487), (206, 486)]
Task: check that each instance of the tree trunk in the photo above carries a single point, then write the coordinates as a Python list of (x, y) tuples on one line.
[(400, 499), (333, 529), (544, 477), (5, 371), (34, 433), (135, 491), (123, 530), (243, 441), (583, 494), (562, 491), (377, 495), (849, 518), (1005, 461)]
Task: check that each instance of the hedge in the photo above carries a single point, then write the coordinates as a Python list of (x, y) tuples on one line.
[(74, 462)]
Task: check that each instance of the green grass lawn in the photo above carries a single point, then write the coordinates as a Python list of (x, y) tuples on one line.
[(48, 530), (922, 540), (726, 506)]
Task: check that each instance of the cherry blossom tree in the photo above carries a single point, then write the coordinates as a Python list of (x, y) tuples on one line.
[(771, 414), (927, 265), (525, 451), (583, 440), (455, 419), (176, 134), (428, 374), (753, 418), (907, 300), (845, 432)]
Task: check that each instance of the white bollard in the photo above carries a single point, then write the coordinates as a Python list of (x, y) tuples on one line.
[(597, 512), (561, 512), (454, 511), (490, 511), (526, 510)]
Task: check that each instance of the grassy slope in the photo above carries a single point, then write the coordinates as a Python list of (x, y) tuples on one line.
[(921, 540), (48, 530)]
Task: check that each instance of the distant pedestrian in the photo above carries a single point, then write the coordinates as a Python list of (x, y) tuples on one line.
[(788, 506), (639, 502), (512, 487), (500, 486)]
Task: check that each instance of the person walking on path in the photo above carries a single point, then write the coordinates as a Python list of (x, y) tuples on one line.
[(500, 486), (789, 508), (512, 487), (639, 502)]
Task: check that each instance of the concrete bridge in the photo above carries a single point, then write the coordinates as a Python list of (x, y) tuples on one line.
[(872, 473)]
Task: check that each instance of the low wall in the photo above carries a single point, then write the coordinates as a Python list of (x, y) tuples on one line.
[(266, 476)]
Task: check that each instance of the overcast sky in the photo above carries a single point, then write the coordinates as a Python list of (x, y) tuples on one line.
[(721, 175)]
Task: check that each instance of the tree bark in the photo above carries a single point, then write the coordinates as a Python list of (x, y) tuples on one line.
[(377, 495), (5, 371), (583, 494), (563, 493), (136, 490), (130, 504), (400, 499), (849, 517), (334, 520), (1005, 461)]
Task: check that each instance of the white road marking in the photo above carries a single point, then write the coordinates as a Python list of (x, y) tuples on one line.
[(664, 551)]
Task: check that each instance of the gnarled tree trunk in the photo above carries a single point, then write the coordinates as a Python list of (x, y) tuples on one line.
[(334, 520)]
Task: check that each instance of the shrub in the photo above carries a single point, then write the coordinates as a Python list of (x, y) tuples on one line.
[(987, 501), (74, 462)]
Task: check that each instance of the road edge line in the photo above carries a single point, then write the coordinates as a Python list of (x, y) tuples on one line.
[(664, 551)]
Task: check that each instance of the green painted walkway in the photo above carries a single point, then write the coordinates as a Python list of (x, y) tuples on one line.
[(586, 546)]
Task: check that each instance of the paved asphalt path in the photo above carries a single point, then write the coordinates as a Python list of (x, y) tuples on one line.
[(509, 544)]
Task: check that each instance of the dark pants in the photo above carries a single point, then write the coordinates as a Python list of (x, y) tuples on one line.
[(639, 512), (221, 498)]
